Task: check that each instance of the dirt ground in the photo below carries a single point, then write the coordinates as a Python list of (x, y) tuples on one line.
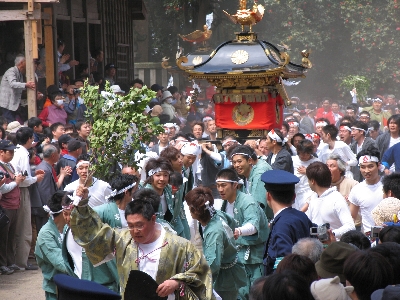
[(22, 285)]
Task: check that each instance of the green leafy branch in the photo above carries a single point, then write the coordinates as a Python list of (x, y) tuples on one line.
[(360, 83)]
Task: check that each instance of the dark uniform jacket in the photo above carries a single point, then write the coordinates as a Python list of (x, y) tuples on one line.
[(283, 161)]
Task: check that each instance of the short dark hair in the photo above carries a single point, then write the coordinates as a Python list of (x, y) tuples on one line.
[(137, 80), (201, 124), (246, 151), (287, 285), (141, 207), (3, 121), (256, 288), (390, 251), (148, 195), (79, 124), (170, 153), (84, 156), (175, 179), (228, 174), (34, 122), (390, 234), (362, 125), (161, 163), (284, 197), (73, 145), (286, 125), (121, 181), (392, 183), (302, 265), (96, 52), (305, 146), (374, 124), (23, 135), (297, 135), (356, 238), (396, 119), (54, 203), (365, 112), (358, 271), (319, 172), (54, 126), (331, 130), (172, 89)]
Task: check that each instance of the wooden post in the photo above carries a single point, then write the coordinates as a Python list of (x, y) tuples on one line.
[(48, 42), (30, 70)]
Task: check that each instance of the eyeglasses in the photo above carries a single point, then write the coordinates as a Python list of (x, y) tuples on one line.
[(138, 227)]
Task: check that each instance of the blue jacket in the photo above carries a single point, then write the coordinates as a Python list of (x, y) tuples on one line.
[(287, 228), (392, 155)]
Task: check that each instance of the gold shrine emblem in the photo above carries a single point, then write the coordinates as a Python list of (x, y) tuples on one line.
[(239, 57), (242, 114)]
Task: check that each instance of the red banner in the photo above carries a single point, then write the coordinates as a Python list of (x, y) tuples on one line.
[(254, 115)]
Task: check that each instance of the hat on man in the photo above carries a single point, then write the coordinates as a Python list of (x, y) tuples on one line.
[(13, 127), (166, 95), (329, 289), (156, 87), (69, 287), (73, 145), (391, 292), (332, 260), (385, 210), (191, 148), (110, 66), (6, 145), (156, 111), (279, 180), (116, 89), (141, 286)]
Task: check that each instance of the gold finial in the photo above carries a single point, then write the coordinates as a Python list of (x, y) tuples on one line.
[(247, 17), (242, 4)]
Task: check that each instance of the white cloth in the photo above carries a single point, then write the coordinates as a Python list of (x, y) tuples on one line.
[(97, 192), (302, 188), (195, 237), (164, 204), (273, 158), (20, 162), (229, 209), (366, 197), (345, 153), (247, 229), (76, 253), (124, 223), (331, 207)]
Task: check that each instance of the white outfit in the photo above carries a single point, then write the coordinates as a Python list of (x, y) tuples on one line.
[(98, 191), (195, 237), (20, 162), (302, 188), (331, 207), (366, 197), (344, 151), (76, 253), (124, 223)]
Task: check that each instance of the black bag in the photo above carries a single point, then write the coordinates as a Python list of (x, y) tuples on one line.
[(4, 220)]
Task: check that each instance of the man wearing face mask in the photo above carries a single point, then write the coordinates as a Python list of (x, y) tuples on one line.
[(166, 105), (54, 113)]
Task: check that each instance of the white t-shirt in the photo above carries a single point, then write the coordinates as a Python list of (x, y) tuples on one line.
[(97, 192), (273, 158), (229, 208), (164, 204), (124, 223), (331, 208), (76, 253), (367, 197)]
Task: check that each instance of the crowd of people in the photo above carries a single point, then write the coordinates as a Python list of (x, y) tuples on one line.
[(309, 211)]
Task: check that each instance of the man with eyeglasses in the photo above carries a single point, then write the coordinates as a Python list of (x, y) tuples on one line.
[(173, 262), (23, 232)]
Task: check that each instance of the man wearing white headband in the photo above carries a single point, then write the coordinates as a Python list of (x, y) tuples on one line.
[(377, 114), (113, 212), (173, 129), (246, 164), (345, 133), (251, 225), (98, 189), (361, 142), (278, 158), (190, 152), (293, 128), (227, 142), (365, 196)]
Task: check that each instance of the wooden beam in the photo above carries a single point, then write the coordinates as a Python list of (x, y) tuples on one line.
[(19, 15), (48, 42), (30, 70)]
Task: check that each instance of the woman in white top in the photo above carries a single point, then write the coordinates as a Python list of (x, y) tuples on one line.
[(301, 161)]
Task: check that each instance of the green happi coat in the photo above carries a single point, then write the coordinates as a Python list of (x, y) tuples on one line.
[(109, 213), (219, 248), (48, 252), (175, 207), (105, 274), (255, 187), (250, 248), (179, 259)]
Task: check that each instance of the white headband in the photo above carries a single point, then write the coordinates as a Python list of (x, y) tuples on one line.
[(321, 123), (48, 210), (358, 128), (293, 124), (232, 181), (272, 134), (154, 171), (115, 192), (191, 148), (82, 162), (226, 142), (345, 127), (240, 153), (377, 100), (210, 208), (367, 158), (207, 119)]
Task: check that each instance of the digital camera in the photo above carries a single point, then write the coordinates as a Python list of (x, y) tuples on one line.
[(321, 232)]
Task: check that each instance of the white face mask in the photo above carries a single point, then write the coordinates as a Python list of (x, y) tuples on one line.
[(60, 102), (169, 100)]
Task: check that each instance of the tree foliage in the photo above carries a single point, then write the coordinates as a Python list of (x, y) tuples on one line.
[(348, 37), (119, 126)]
